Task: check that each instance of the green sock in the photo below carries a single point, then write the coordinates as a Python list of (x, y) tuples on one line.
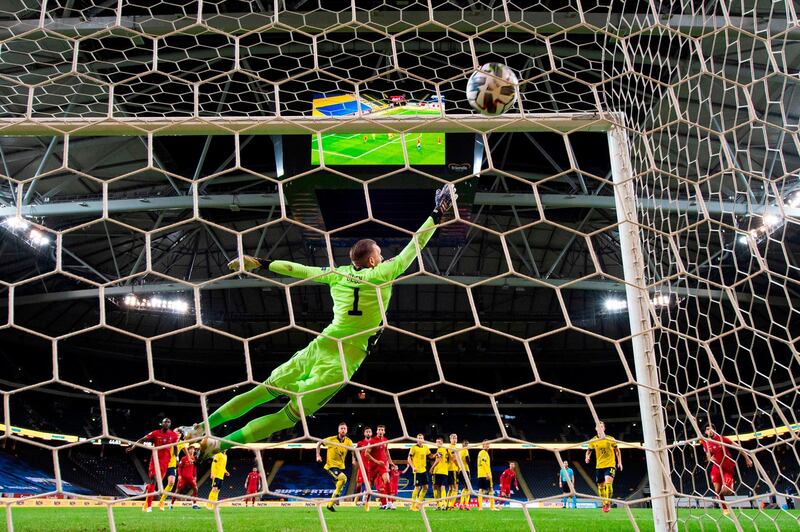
[(261, 428), (240, 405)]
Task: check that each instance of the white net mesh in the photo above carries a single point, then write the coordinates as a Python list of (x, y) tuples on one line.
[(116, 233)]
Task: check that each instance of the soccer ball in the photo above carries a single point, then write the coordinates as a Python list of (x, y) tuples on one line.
[(491, 89)]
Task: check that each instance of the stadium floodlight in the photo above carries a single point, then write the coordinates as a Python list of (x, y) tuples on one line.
[(37, 238), (772, 220), (156, 303), (615, 305), (16, 223), (18, 226)]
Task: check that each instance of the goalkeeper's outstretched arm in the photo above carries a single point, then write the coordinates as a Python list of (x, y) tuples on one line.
[(283, 267), (386, 271), (394, 268)]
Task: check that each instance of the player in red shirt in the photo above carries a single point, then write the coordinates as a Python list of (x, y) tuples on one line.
[(722, 463), (252, 484), (367, 464), (381, 461), (187, 476), (508, 476), (162, 439)]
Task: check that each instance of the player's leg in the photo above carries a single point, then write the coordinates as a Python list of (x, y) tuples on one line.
[(380, 487), (725, 483), (386, 489), (601, 492), (214, 494), (324, 380), (600, 480), (421, 487), (443, 491), (609, 489), (179, 489), (415, 493), (718, 491), (452, 490), (491, 496), (170, 484), (377, 485), (283, 377), (574, 501), (464, 502), (339, 479), (193, 490), (151, 486)]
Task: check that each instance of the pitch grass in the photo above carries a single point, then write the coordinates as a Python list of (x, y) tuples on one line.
[(356, 520), (350, 149)]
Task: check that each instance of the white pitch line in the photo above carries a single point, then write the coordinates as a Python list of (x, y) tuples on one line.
[(366, 152)]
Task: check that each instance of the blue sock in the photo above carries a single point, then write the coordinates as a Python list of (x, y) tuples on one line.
[(574, 501), (564, 501)]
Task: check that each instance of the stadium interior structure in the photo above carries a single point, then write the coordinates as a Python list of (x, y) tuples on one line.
[(141, 142)]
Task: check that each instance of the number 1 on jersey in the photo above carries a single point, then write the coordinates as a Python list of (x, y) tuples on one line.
[(354, 311)]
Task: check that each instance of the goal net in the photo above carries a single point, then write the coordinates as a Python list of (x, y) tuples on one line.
[(623, 248)]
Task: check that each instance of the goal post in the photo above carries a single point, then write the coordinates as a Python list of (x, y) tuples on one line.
[(644, 353)]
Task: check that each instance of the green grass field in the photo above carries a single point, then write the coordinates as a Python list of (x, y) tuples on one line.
[(379, 148), (356, 520)]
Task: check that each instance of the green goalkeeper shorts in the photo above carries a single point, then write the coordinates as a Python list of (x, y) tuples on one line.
[(317, 366)]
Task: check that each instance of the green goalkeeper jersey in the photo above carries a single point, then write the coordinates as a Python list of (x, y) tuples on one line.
[(359, 295)]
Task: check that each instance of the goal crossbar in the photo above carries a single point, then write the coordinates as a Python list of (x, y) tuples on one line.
[(294, 125)]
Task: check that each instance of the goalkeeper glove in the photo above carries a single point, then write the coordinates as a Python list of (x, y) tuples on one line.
[(249, 263), (443, 200)]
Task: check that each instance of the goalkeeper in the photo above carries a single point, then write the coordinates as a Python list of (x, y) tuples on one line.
[(313, 370)]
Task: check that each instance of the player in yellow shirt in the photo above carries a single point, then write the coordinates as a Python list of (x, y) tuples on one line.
[(336, 451), (418, 462), (219, 471), (440, 470), (174, 456), (485, 476), (452, 477), (608, 460), (463, 457)]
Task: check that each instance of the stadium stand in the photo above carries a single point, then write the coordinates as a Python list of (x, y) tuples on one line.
[(101, 471), (18, 476)]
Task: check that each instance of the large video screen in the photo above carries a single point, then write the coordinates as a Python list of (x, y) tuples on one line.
[(377, 148)]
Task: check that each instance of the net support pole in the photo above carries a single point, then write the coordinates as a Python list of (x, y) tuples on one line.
[(644, 355)]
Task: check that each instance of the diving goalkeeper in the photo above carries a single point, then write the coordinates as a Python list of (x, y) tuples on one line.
[(356, 309)]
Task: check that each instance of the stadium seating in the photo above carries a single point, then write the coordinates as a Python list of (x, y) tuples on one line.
[(102, 472), (18, 476)]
